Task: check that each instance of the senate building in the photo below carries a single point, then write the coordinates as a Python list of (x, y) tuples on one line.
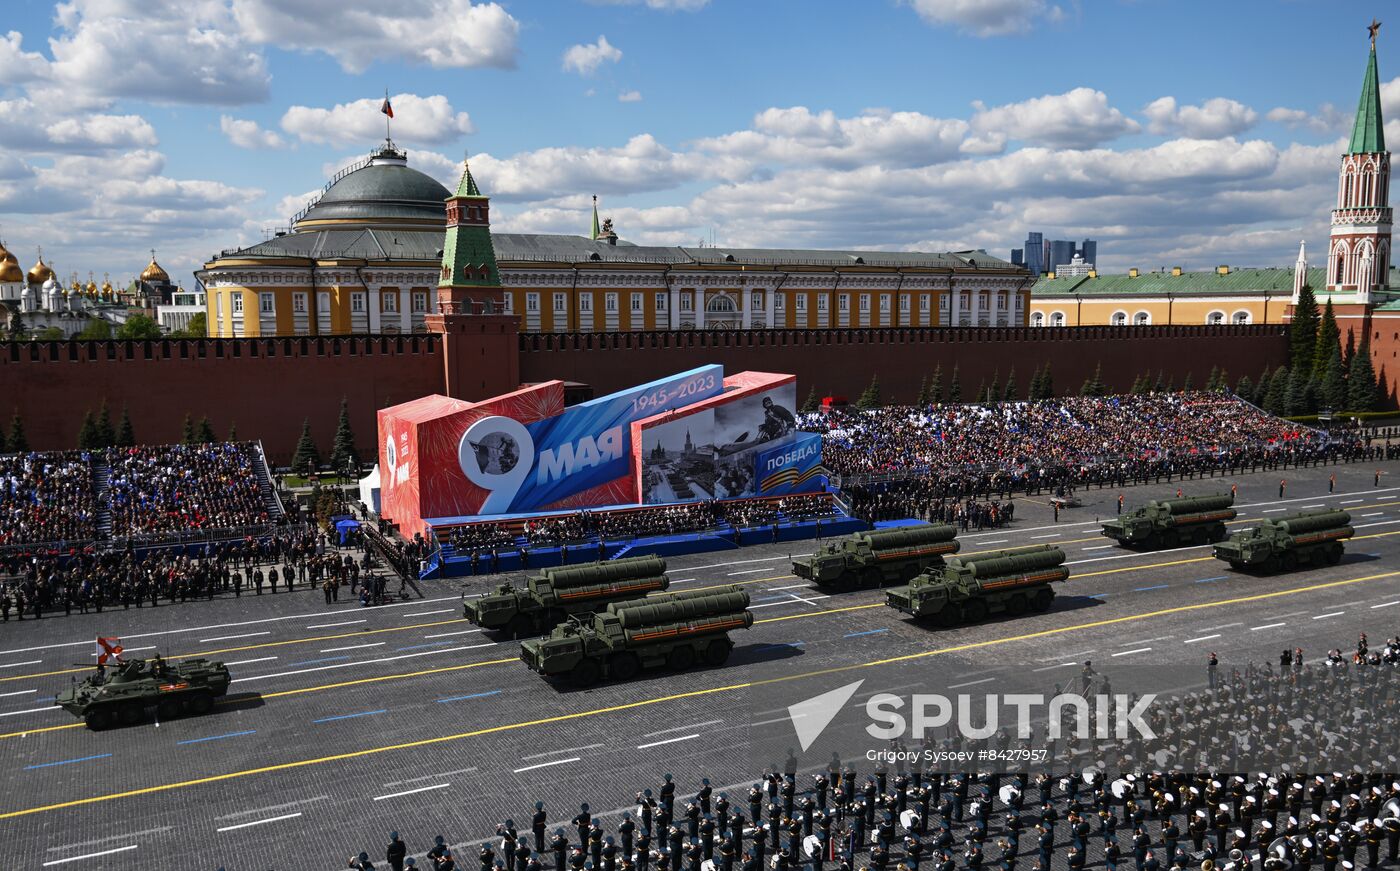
[(364, 257)]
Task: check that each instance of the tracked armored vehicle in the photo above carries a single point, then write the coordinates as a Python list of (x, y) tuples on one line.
[(1173, 522), (879, 557), (1285, 543), (674, 630), (136, 688), (971, 588), (553, 595)]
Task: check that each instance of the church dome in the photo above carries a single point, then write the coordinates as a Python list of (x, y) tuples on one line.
[(50, 284), (10, 272), (40, 273), (384, 191), (155, 274), (6, 256)]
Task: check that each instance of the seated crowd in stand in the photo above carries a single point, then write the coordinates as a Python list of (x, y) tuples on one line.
[(170, 488), (1253, 772), (46, 498)]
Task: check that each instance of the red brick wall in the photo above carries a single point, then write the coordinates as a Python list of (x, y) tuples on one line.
[(841, 362)]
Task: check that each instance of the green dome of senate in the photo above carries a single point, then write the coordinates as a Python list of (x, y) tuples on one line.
[(383, 191)]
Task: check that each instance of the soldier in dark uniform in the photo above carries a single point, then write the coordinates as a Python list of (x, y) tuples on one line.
[(559, 845), (395, 853)]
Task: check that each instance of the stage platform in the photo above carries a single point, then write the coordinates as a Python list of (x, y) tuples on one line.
[(444, 563)]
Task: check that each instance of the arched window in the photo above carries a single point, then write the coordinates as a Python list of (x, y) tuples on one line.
[(1346, 191), (1038, 319), (1340, 268), (1057, 319), (1119, 319), (1215, 318), (1240, 317), (1367, 180), (721, 305), (1142, 319)]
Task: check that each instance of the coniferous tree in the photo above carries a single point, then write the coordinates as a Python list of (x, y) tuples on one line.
[(981, 394), (1276, 401), (921, 398), (233, 431), (16, 442), (809, 405), (1213, 379), (1047, 383), (871, 397), (1245, 389), (87, 433), (125, 437), (1329, 338), (1349, 351), (187, 431), (1361, 381), (1261, 387), (1008, 393), (1302, 335), (1296, 394), (994, 389), (1384, 399), (106, 436), (1033, 392), (1188, 384), (17, 325), (1094, 386), (1333, 394), (206, 435), (955, 386), (305, 458), (1223, 385), (1161, 385), (935, 385), (343, 453)]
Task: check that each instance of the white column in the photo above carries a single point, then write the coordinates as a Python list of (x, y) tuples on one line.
[(976, 299), (673, 307), (372, 306), (405, 310), (745, 309), (699, 308), (768, 308), (954, 307)]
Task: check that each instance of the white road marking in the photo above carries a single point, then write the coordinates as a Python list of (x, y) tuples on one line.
[(17, 664), (546, 764), (450, 634), (1272, 510), (251, 661), (1049, 535), (995, 541), (411, 791), (1350, 501), (1202, 638), (788, 587), (1052, 667), (359, 663), (1099, 547), (784, 719), (1385, 604), (1130, 652), (122, 837), (30, 711), (1266, 626), (1332, 614), (569, 750), (737, 562), (746, 572), (353, 647), (91, 855), (433, 776), (1374, 514), (232, 637), (1318, 505), (1224, 626), (667, 741), (683, 580), (17, 693), (683, 728), (1071, 655), (971, 683), (261, 822), (429, 613), (333, 625)]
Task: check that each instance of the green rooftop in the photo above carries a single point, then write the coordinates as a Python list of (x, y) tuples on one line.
[(1273, 280), (1368, 132)]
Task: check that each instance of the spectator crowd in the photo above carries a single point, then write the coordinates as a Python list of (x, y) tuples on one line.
[(172, 488), (46, 497)]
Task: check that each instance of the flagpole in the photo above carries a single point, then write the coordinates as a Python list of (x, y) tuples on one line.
[(389, 140)]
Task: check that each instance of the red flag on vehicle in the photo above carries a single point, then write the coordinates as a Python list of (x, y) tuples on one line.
[(108, 648)]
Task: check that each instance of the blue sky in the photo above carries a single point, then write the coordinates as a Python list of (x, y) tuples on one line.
[(1177, 133)]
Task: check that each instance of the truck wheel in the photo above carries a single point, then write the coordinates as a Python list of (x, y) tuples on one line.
[(873, 577), (98, 719), (1217, 534), (201, 703), (1271, 565), (623, 666), (1169, 539), (132, 713), (1016, 605), (717, 652), (168, 709), (1236, 564), (1042, 600), (1198, 536), (1289, 561), (950, 616), (1334, 554), (681, 657), (585, 673), (975, 611), (522, 627)]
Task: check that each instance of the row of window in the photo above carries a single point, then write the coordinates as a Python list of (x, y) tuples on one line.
[(725, 304), (1141, 319), (267, 302)]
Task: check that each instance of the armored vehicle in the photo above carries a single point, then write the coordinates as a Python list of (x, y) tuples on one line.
[(877, 557), (969, 588), (1172, 522), (1285, 543), (675, 630), (187, 687), (554, 594)]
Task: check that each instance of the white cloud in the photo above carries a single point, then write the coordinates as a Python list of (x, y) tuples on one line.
[(630, 97), (1213, 119), (439, 33), (796, 135), (1080, 118), (585, 59), (429, 120), (667, 5), (247, 134), (38, 128), (986, 17), (18, 66)]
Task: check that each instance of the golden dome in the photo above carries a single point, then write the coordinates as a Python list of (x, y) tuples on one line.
[(10, 271), (155, 274), (91, 289), (6, 256), (40, 272)]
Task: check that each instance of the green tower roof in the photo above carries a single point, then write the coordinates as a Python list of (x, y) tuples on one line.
[(466, 186), (468, 257), (1368, 133)]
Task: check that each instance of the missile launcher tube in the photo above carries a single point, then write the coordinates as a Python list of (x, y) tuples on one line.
[(674, 607), (1312, 521), (594, 574), (1197, 504)]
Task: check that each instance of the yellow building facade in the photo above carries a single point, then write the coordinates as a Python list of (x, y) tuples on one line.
[(364, 258)]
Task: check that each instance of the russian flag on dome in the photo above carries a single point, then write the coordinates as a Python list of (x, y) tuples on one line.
[(387, 109)]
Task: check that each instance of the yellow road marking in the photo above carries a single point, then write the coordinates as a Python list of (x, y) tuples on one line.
[(576, 715)]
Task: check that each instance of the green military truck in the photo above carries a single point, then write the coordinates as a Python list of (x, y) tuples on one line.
[(124, 698), (1285, 543), (675, 630), (970, 588), (1173, 522), (879, 556), (551, 596)]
